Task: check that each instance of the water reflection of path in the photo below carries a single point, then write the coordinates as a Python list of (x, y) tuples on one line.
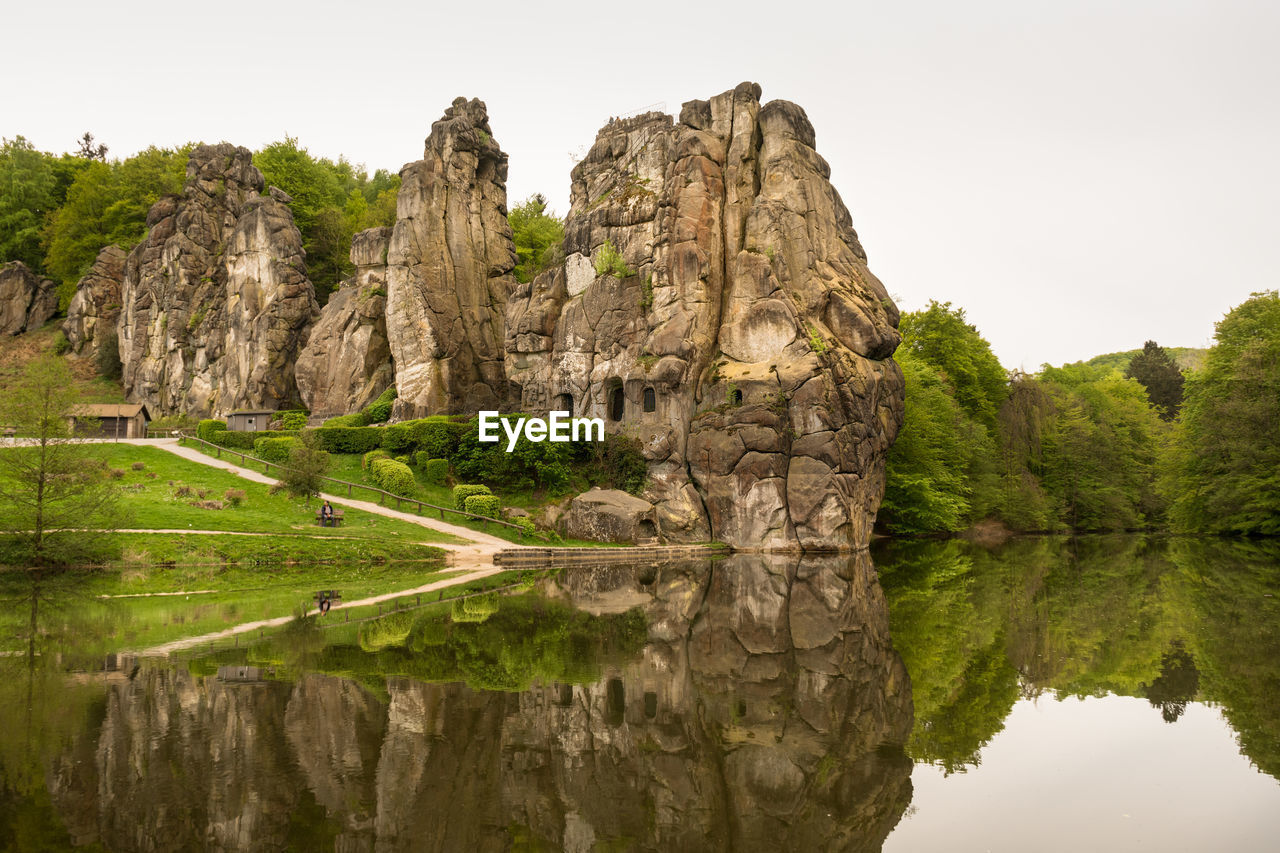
[(762, 707)]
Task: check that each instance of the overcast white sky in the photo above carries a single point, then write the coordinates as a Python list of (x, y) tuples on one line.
[(1079, 176)]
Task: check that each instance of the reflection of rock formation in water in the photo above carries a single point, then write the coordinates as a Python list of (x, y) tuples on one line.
[(755, 717)]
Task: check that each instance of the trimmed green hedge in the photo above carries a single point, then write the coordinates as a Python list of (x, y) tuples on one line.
[(349, 439), (392, 476), (434, 471), (487, 505), (293, 420), (398, 438), (353, 420), (208, 427), (462, 492), (274, 449), (525, 523), (239, 440), (368, 458)]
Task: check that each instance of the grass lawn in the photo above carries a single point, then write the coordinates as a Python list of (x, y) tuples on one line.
[(347, 466), (155, 497)]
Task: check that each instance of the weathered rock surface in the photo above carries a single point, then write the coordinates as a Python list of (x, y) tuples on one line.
[(746, 345), (449, 270), (27, 300), (610, 515), (95, 307), (346, 363), (216, 299)]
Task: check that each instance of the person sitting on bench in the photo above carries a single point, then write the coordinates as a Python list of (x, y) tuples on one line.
[(326, 515)]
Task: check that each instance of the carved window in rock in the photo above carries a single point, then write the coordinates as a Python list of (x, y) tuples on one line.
[(735, 397), (650, 400), (615, 702), (617, 403), (563, 403)]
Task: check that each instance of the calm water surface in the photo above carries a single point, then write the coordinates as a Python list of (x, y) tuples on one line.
[(1105, 694)]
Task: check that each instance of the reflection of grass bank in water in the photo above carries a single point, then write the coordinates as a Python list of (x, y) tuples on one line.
[(166, 492), (523, 639), (240, 594)]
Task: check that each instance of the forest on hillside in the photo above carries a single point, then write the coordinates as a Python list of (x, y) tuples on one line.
[(1178, 439)]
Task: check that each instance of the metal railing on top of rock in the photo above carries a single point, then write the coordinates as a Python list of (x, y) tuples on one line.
[(484, 520)]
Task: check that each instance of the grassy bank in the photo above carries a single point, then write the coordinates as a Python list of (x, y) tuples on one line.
[(161, 491), (347, 466)]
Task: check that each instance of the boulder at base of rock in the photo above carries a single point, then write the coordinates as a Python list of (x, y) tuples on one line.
[(27, 300), (610, 515)]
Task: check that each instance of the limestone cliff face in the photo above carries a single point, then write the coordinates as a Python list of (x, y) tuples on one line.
[(216, 299), (95, 307), (346, 363), (27, 300), (743, 339), (449, 269)]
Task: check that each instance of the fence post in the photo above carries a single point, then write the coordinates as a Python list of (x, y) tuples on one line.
[(348, 490)]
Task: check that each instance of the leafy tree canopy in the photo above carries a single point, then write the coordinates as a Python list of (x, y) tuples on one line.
[(1160, 375), (538, 235), (942, 337)]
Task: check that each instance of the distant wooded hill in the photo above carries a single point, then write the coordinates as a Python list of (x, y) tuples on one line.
[(1188, 358)]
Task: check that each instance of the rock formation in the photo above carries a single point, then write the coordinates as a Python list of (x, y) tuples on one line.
[(346, 363), (740, 337), (27, 300), (610, 515), (95, 307), (449, 270), (216, 299)]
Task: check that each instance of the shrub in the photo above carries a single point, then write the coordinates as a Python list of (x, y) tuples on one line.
[(464, 491), (350, 439), (234, 439), (138, 466), (609, 261), (293, 420), (434, 471), (379, 410), (393, 476), (525, 523), (397, 438), (356, 419), (117, 473), (183, 491), (206, 428), (60, 343), (208, 504), (402, 459), (274, 449), (437, 436), (234, 496), (368, 458)]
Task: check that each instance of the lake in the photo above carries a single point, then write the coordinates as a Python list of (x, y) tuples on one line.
[(1102, 693)]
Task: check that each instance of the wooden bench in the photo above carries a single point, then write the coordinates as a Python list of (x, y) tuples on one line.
[(337, 518)]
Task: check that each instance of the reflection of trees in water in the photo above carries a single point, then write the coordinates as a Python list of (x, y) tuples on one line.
[(1124, 615), (1177, 684), (752, 703)]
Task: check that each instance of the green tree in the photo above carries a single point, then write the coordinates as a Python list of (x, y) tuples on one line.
[(28, 194), (538, 235), (108, 203), (1223, 470), (945, 340), (1160, 375), (52, 487), (308, 466)]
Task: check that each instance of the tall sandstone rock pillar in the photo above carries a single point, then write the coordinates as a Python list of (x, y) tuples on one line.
[(449, 270), (216, 303), (743, 340)]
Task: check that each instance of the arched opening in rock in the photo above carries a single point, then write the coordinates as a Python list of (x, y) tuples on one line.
[(615, 702), (650, 704), (646, 529), (735, 397), (564, 695), (617, 402), (742, 708), (563, 403), (650, 400)]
